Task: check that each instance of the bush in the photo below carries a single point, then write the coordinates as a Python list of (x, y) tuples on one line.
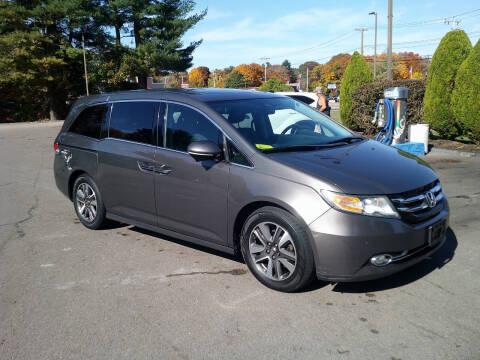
[(21, 102), (356, 74), (274, 85), (451, 52), (235, 80), (365, 99), (466, 95)]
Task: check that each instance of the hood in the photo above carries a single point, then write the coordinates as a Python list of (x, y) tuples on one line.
[(363, 168)]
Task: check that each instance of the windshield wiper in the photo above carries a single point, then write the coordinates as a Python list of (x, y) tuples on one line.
[(336, 142), (348, 140), (296, 148)]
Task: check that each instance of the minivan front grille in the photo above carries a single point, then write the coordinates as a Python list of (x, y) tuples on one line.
[(421, 204)]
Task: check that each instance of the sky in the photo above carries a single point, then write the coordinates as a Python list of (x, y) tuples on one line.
[(244, 31)]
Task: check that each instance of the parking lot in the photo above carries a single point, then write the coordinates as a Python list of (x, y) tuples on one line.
[(67, 292)]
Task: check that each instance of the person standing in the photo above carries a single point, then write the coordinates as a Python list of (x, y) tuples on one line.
[(322, 103)]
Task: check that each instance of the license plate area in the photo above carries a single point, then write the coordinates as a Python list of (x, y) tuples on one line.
[(435, 233)]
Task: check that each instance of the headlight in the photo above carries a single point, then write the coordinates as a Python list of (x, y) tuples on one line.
[(364, 205)]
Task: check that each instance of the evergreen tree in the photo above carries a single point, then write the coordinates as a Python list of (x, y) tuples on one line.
[(466, 95), (235, 80), (41, 48), (291, 72), (356, 74), (274, 85), (449, 55)]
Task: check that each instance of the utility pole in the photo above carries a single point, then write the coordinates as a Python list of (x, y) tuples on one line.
[(451, 21), (307, 79), (214, 85), (362, 30), (389, 40), (265, 59), (85, 62), (374, 46)]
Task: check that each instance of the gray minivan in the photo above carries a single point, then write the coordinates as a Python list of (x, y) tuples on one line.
[(297, 194)]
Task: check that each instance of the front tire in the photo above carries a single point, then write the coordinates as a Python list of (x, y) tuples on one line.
[(276, 248), (88, 203)]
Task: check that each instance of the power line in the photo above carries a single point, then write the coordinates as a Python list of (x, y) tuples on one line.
[(314, 47)]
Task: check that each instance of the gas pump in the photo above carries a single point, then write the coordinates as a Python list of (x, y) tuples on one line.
[(391, 116)]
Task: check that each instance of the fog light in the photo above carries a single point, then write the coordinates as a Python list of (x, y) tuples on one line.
[(381, 260)]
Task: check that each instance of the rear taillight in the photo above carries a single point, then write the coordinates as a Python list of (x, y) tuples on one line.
[(55, 146)]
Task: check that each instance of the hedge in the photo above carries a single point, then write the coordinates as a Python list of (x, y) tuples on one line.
[(466, 95), (356, 74), (365, 99), (449, 55)]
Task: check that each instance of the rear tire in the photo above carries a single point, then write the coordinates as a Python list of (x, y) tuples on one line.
[(277, 250), (88, 203)]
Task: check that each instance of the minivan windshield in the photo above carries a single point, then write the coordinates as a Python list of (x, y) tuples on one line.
[(282, 124)]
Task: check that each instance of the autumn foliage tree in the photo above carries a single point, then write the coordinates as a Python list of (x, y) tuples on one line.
[(198, 77), (331, 72), (252, 73), (279, 72)]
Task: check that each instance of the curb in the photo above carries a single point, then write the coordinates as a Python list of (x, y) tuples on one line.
[(455, 152), (18, 125)]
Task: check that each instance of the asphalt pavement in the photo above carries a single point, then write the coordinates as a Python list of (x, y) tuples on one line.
[(67, 292)]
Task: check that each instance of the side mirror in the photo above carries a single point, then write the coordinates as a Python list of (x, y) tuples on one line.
[(204, 150)]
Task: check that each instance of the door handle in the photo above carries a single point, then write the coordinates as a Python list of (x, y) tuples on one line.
[(163, 169), (146, 166)]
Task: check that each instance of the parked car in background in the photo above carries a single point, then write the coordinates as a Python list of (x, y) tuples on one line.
[(309, 98), (231, 170)]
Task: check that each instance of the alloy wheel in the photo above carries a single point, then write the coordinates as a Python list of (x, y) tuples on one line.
[(273, 251), (86, 202)]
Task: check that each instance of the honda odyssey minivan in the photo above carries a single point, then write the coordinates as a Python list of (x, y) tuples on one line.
[(231, 170)]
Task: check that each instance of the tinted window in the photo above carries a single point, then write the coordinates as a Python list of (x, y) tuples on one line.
[(304, 99), (185, 125), (89, 122), (132, 121), (236, 156)]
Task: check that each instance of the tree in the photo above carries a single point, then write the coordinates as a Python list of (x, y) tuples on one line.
[(466, 95), (279, 72), (356, 74), (235, 80), (331, 72), (449, 55), (198, 77), (302, 73), (275, 85), (41, 47), (220, 78), (291, 72), (252, 73)]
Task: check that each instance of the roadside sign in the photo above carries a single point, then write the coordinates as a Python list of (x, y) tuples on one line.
[(331, 86), (185, 86)]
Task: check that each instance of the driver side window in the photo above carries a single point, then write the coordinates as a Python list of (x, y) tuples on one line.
[(185, 125)]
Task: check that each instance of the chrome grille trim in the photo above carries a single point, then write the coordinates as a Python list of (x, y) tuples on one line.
[(423, 206), (436, 189), (412, 205)]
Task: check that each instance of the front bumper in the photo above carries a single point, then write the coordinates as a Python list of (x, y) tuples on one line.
[(343, 244)]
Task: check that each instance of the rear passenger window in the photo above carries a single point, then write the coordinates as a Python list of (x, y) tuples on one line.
[(133, 121), (89, 122), (185, 125)]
